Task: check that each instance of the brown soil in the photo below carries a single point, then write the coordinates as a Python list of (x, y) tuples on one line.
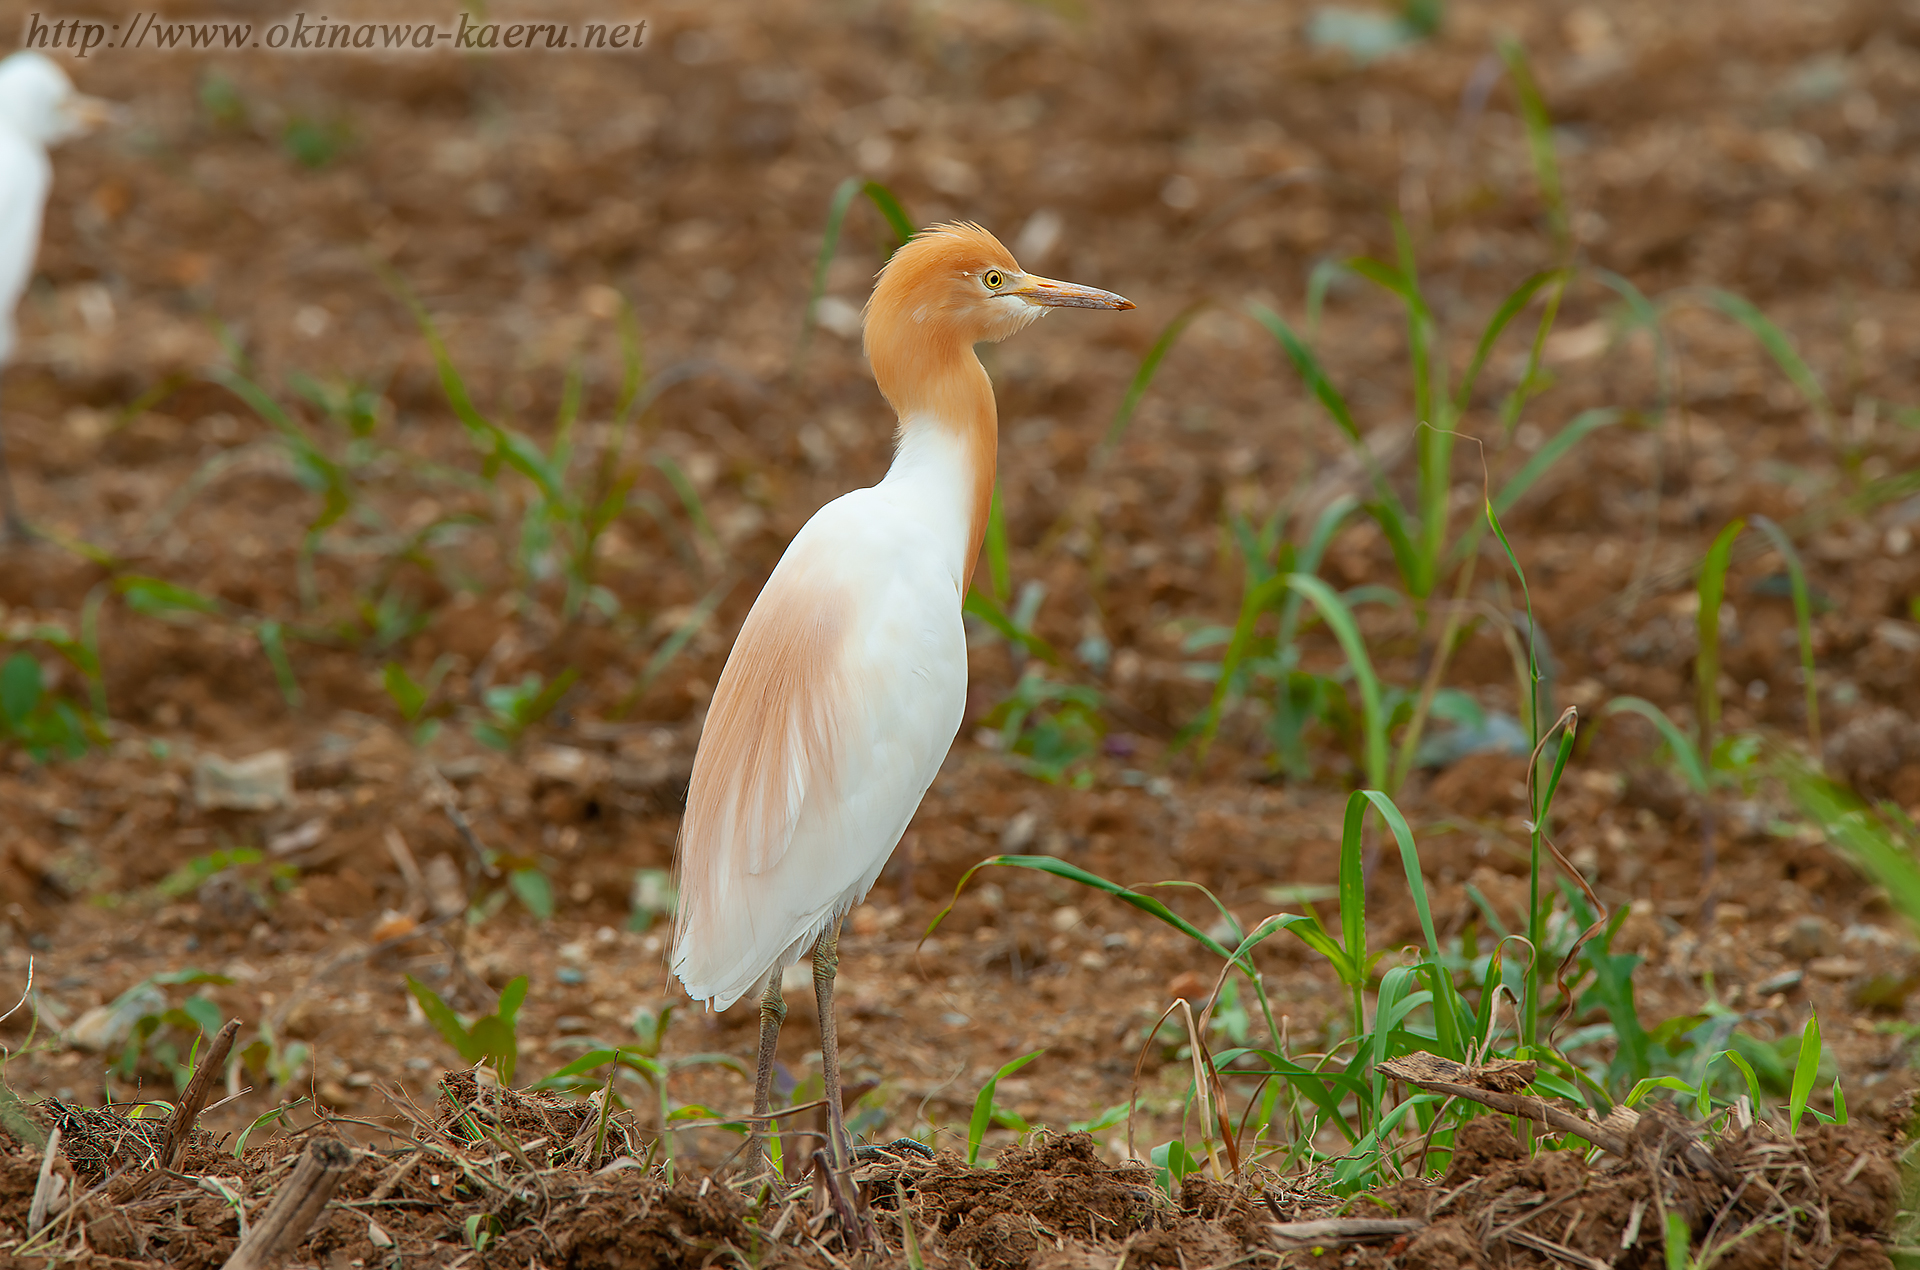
[(1827, 1199), (1762, 147)]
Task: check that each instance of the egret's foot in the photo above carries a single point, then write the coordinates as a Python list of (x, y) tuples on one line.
[(867, 1153)]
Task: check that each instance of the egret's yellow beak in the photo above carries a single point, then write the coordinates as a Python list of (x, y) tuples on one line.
[(1067, 295)]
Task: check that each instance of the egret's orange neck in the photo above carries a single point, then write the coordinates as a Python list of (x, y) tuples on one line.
[(928, 372)]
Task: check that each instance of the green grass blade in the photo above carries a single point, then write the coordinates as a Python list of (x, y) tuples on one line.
[(1346, 630), (1510, 308), (999, 565), (983, 1104), (1802, 619), (672, 646), (843, 196), (1308, 560), (1684, 753), (899, 224), (1777, 345), (1539, 127), (273, 642), (1887, 857), (1583, 425), (683, 488), (1149, 367), (1805, 1070), (889, 206), (1746, 1070), (1409, 861), (1353, 900), (1319, 280), (983, 607), (1713, 588), (1309, 369), (1533, 649), (1254, 600), (1074, 873)]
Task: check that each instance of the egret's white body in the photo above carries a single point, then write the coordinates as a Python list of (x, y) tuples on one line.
[(38, 109), (848, 681), (883, 571)]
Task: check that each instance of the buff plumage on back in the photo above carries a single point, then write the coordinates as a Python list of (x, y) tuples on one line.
[(769, 741)]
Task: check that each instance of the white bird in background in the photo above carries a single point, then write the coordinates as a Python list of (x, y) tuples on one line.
[(847, 683), (38, 109)]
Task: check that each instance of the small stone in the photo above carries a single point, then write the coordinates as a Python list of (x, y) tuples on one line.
[(260, 782), (106, 1027), (1836, 967), (1190, 985), (1805, 938), (1018, 834)]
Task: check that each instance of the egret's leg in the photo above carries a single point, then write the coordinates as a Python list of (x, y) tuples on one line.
[(826, 960), (773, 1011), (12, 527)]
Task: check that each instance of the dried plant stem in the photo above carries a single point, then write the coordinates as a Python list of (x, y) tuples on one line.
[(299, 1201)]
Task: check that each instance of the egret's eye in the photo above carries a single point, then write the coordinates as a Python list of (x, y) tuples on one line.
[(993, 278)]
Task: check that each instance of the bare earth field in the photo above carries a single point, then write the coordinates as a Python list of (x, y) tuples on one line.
[(272, 217)]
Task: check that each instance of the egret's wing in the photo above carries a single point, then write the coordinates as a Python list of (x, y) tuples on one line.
[(840, 698)]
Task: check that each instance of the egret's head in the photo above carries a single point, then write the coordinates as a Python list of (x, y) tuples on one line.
[(958, 279), (37, 101)]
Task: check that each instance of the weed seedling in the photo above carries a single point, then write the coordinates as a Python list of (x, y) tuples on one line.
[(489, 1037)]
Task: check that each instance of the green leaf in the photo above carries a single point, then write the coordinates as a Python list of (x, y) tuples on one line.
[(156, 597), (20, 688), (511, 998), (1172, 1162), (207, 1016), (492, 1037), (534, 890), (409, 696), (1679, 1241), (983, 1104), (15, 1120)]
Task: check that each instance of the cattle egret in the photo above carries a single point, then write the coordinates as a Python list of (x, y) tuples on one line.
[(846, 686), (38, 109)]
